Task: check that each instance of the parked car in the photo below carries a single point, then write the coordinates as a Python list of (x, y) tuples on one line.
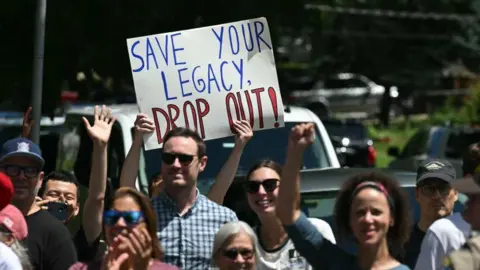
[(343, 93), (319, 189), (75, 147), (435, 142), (353, 146)]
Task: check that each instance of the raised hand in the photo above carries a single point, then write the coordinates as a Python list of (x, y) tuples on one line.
[(27, 123), (143, 125), (114, 260), (102, 125), (302, 136), (139, 247), (244, 132)]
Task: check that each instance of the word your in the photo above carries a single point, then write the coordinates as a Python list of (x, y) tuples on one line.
[(169, 54), (247, 108)]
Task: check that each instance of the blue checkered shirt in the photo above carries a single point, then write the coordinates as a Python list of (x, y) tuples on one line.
[(188, 240)]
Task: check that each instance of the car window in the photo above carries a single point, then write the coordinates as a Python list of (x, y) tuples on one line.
[(352, 131), (416, 145), (266, 144), (347, 83), (458, 143), (321, 205)]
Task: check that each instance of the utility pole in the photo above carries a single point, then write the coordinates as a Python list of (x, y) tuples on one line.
[(37, 80)]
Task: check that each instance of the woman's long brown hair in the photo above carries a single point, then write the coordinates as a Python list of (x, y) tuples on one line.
[(150, 216)]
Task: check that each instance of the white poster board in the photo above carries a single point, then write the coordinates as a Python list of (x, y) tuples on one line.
[(205, 78)]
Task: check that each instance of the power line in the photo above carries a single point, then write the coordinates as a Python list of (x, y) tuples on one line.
[(393, 14)]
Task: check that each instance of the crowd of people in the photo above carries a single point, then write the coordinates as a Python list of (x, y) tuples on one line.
[(177, 227)]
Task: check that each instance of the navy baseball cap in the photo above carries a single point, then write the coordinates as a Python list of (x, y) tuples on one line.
[(21, 147), (436, 169)]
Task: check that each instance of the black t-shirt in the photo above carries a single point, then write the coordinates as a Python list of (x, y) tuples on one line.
[(49, 242), (412, 247), (85, 252)]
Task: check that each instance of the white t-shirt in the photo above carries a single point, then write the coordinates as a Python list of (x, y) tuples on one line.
[(286, 257), (444, 236), (8, 259)]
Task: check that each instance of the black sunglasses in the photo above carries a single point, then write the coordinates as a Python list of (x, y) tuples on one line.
[(14, 170), (430, 190), (169, 158), (232, 253), (252, 186)]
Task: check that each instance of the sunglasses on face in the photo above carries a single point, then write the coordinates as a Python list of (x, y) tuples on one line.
[(184, 159), (430, 190), (269, 185), (131, 218), (232, 253), (14, 170)]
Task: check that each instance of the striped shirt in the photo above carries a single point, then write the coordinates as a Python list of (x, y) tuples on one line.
[(188, 240)]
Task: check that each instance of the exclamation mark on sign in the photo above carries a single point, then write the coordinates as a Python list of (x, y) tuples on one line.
[(273, 99)]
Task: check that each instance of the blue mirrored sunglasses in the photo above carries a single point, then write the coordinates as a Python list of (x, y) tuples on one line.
[(131, 218)]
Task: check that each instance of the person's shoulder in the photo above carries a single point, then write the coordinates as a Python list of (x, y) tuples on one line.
[(319, 223), (79, 266), (217, 209), (47, 223), (401, 267), (447, 224), (8, 258)]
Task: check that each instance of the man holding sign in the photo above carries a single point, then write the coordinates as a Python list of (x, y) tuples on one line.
[(206, 78)]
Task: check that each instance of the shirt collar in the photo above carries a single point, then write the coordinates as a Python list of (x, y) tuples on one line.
[(171, 203)]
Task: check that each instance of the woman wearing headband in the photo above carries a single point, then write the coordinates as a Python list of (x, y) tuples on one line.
[(371, 207)]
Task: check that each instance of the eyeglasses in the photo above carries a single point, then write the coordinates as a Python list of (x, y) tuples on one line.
[(232, 253), (430, 190), (269, 185), (14, 170), (132, 218), (169, 158)]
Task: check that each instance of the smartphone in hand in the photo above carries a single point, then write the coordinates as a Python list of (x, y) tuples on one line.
[(58, 210)]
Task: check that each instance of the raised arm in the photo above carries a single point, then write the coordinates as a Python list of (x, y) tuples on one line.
[(27, 123), (308, 240), (301, 137), (227, 174), (129, 173), (100, 134)]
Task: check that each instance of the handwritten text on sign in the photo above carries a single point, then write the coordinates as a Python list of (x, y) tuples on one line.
[(206, 78)]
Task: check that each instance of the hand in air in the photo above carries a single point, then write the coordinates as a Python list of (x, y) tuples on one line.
[(244, 132), (302, 136), (102, 125)]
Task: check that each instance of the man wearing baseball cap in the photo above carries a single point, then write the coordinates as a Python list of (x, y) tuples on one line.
[(436, 199), (49, 241), (445, 234)]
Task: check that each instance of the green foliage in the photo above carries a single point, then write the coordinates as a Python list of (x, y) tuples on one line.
[(467, 114)]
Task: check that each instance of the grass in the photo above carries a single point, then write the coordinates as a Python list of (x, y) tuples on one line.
[(385, 138)]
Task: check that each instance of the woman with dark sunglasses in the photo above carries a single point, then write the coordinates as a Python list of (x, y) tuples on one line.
[(235, 247), (130, 231), (370, 207), (276, 250)]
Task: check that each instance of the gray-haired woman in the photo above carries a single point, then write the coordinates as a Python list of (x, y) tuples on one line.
[(235, 247)]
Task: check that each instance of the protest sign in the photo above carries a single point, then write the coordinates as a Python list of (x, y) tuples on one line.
[(206, 78)]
